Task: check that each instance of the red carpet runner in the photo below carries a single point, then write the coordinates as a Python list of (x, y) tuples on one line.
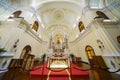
[(66, 74)]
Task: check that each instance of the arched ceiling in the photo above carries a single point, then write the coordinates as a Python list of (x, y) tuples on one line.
[(59, 16), (54, 16)]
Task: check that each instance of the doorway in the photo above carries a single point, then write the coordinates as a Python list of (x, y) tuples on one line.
[(90, 53), (26, 50)]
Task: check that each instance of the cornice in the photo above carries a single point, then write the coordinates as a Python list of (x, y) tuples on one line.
[(24, 25)]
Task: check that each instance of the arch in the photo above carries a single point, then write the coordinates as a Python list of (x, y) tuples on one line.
[(26, 50), (90, 53), (101, 15), (27, 58), (35, 26), (81, 26), (16, 14), (118, 39)]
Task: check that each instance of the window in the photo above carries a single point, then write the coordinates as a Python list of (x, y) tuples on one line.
[(81, 26), (90, 53), (35, 26)]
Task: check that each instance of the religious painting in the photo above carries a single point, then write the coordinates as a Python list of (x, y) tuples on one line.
[(81, 26), (118, 39), (35, 26)]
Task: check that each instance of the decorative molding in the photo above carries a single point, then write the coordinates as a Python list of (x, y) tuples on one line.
[(35, 35), (6, 54), (53, 19), (88, 28), (84, 33), (31, 32), (58, 15), (107, 21), (23, 24), (57, 25)]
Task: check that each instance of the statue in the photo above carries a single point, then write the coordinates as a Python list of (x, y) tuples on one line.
[(58, 45)]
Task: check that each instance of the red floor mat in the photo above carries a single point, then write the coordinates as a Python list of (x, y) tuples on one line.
[(74, 71)]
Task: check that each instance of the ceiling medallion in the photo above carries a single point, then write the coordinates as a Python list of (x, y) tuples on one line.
[(58, 15)]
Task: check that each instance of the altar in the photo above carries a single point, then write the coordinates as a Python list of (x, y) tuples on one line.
[(58, 61), (57, 55)]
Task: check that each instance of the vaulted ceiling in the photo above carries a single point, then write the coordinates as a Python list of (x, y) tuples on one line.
[(59, 17), (54, 16)]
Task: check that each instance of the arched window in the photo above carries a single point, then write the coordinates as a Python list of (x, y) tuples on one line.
[(81, 26), (35, 26), (101, 15), (90, 53), (16, 14)]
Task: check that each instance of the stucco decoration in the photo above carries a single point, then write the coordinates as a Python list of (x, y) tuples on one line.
[(100, 45), (58, 15)]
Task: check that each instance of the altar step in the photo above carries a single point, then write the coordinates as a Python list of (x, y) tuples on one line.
[(63, 74)]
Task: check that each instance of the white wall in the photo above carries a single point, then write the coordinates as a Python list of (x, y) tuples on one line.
[(113, 31), (78, 48), (9, 35)]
